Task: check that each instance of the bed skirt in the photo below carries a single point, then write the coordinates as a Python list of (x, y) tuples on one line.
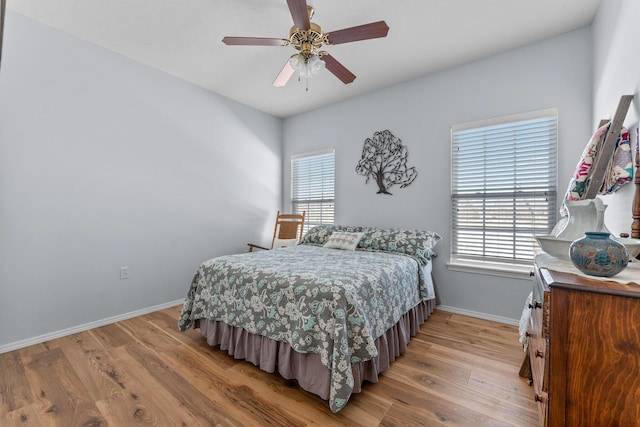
[(306, 368)]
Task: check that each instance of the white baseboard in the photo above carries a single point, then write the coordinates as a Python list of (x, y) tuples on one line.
[(485, 316), (109, 320), (81, 328)]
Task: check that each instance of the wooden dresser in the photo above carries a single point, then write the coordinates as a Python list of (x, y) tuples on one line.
[(584, 347)]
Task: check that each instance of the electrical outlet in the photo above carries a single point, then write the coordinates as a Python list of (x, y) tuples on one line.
[(124, 272)]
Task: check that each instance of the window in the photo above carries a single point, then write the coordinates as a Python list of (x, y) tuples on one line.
[(313, 187), (503, 188)]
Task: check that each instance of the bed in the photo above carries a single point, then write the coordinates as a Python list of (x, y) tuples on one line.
[(331, 312)]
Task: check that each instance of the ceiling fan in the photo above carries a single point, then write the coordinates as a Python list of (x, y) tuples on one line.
[(308, 38)]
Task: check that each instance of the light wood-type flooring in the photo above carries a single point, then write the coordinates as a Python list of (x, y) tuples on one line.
[(458, 371)]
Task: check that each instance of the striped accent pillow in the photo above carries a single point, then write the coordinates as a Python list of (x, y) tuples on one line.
[(343, 240)]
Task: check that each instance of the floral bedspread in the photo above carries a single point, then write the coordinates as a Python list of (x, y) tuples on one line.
[(330, 302)]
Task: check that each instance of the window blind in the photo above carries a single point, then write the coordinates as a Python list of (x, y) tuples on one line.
[(313, 187), (503, 186)]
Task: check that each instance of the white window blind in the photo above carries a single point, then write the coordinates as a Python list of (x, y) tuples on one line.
[(503, 186), (313, 187)]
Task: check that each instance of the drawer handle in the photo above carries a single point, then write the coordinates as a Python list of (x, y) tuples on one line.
[(538, 398), (536, 304), (539, 353)]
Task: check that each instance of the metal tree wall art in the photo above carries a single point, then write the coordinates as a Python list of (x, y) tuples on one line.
[(384, 159)]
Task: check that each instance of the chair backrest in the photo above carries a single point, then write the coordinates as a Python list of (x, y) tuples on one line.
[(288, 227)]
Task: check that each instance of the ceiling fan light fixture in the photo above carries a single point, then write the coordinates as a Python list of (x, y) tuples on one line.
[(306, 67), (316, 64)]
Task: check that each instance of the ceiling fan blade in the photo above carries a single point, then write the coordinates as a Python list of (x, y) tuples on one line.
[(299, 13), (254, 41), (3, 4), (339, 70), (284, 76), (373, 30)]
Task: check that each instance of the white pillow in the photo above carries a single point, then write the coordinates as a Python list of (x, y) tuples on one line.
[(284, 243), (343, 240)]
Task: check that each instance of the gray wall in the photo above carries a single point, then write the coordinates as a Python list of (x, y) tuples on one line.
[(552, 73), (106, 163), (616, 72)]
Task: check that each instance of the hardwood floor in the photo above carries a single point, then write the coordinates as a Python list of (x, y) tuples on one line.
[(143, 372)]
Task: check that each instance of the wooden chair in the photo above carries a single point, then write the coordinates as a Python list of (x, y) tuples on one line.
[(287, 232)]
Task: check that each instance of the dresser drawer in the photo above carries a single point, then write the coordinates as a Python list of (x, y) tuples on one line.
[(538, 344), (537, 350), (540, 301)]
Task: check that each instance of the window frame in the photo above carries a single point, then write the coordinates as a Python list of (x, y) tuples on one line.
[(495, 265), (303, 204)]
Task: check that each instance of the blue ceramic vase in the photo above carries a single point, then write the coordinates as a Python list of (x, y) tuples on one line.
[(596, 254)]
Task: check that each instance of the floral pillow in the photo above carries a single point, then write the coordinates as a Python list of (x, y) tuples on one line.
[(343, 240), (416, 243)]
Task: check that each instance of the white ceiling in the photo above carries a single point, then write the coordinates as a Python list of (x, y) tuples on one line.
[(183, 39)]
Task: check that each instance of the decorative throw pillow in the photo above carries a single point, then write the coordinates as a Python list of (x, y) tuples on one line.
[(284, 243), (319, 234), (344, 241)]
